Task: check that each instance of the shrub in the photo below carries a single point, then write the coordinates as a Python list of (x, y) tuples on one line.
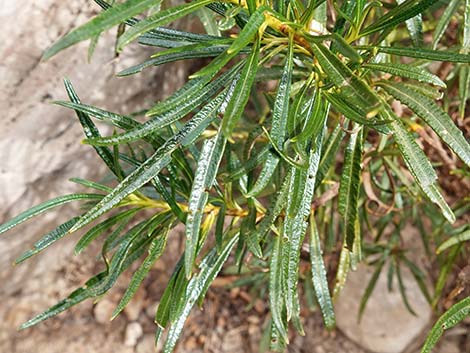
[(297, 125)]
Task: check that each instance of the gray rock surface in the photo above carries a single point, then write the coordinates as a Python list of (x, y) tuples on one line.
[(40, 149), (386, 325)]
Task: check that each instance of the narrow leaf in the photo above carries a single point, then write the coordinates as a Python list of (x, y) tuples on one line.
[(154, 252), (209, 269), (434, 116), (408, 71), (160, 18), (319, 278), (105, 20), (350, 186), (207, 167), (46, 206)]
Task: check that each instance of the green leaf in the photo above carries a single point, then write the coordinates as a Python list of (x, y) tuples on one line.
[(190, 103), (408, 71), (464, 89), (208, 270), (156, 248), (450, 318), (319, 277), (466, 29), (103, 21), (454, 240), (329, 152), (186, 52), (98, 229), (434, 116), (370, 287), (415, 27), (399, 14), (159, 19), (350, 186), (276, 293), (279, 123), (444, 21), (299, 200), (341, 102), (98, 284), (244, 38), (402, 289), (277, 205), (46, 206), (344, 79), (236, 106), (342, 272), (155, 163), (49, 239), (418, 164), (91, 131), (207, 167), (421, 53), (91, 184)]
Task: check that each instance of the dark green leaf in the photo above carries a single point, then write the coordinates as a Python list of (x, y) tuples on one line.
[(46, 206), (105, 20)]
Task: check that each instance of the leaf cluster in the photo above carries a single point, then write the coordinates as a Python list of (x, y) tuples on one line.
[(291, 131)]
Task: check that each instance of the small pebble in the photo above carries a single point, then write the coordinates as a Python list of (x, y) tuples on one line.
[(133, 333)]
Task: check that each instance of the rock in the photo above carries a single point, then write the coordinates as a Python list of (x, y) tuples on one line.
[(386, 325), (103, 311), (232, 341), (133, 333), (147, 344)]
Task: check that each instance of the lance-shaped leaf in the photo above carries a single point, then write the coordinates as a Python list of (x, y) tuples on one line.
[(207, 167), (342, 272), (319, 278), (353, 112), (434, 116), (449, 319), (190, 103), (408, 71), (209, 269), (98, 284), (399, 14), (236, 106), (191, 51), (49, 239), (105, 20), (464, 88), (344, 79), (276, 292), (155, 163), (454, 240), (91, 131), (415, 27), (418, 164), (174, 37), (161, 18), (370, 287), (464, 78), (97, 230), (244, 38), (46, 206), (350, 186), (421, 53), (299, 200), (443, 22), (279, 123), (154, 252)]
